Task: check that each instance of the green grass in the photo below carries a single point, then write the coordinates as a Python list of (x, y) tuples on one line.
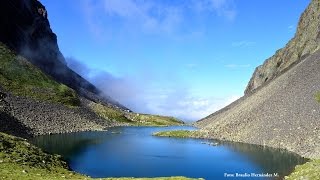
[(177, 134), (20, 77), (160, 178), (307, 171), (317, 96), (134, 119), (153, 120), (108, 113), (22, 160)]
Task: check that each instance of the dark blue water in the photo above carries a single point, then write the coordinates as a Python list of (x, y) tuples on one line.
[(134, 152)]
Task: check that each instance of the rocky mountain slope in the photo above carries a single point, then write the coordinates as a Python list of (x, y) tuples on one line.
[(39, 93), (305, 42), (26, 30), (284, 112), (33, 103)]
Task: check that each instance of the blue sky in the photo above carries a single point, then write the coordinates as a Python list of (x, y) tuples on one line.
[(184, 58)]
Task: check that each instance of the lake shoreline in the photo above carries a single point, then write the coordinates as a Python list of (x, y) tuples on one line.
[(187, 134), (134, 136), (16, 165), (312, 164)]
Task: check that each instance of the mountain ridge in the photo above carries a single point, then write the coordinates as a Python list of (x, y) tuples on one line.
[(39, 93), (27, 31), (305, 42), (280, 111)]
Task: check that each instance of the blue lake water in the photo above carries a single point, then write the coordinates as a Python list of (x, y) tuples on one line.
[(134, 152)]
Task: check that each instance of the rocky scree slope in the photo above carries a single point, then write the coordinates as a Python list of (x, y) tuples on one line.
[(284, 112), (305, 42), (26, 30), (32, 103)]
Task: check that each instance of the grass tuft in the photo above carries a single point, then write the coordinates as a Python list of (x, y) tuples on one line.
[(177, 134), (309, 170), (21, 78), (317, 96)]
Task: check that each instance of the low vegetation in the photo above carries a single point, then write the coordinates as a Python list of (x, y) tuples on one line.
[(109, 113), (177, 134), (21, 78), (317, 96), (153, 120), (309, 170), (134, 119), (22, 160), (161, 178)]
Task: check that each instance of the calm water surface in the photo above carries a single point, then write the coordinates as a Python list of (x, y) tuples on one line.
[(134, 152)]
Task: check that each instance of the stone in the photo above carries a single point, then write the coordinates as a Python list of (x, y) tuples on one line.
[(305, 42)]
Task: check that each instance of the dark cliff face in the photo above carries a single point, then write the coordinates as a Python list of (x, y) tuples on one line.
[(25, 29), (305, 42)]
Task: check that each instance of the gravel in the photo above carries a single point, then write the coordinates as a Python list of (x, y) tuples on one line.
[(26, 117), (282, 114)]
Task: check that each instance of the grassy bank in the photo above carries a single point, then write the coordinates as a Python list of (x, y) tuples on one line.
[(130, 118), (21, 78), (177, 134), (317, 96), (308, 171), (160, 178), (21, 160)]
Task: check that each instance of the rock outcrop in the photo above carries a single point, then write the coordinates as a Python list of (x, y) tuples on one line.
[(280, 108), (26, 30), (305, 42)]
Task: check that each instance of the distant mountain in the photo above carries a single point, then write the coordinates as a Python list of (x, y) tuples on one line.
[(281, 106), (26, 30)]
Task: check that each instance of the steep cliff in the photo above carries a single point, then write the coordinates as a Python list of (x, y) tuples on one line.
[(26, 30), (281, 107), (305, 42)]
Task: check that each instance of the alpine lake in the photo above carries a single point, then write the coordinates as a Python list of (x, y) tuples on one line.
[(135, 152)]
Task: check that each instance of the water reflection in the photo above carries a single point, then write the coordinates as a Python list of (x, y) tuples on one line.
[(68, 145), (272, 160)]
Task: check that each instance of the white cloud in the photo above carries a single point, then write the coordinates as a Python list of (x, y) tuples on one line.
[(223, 8), (243, 44), (152, 16), (186, 106), (124, 8), (140, 95)]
